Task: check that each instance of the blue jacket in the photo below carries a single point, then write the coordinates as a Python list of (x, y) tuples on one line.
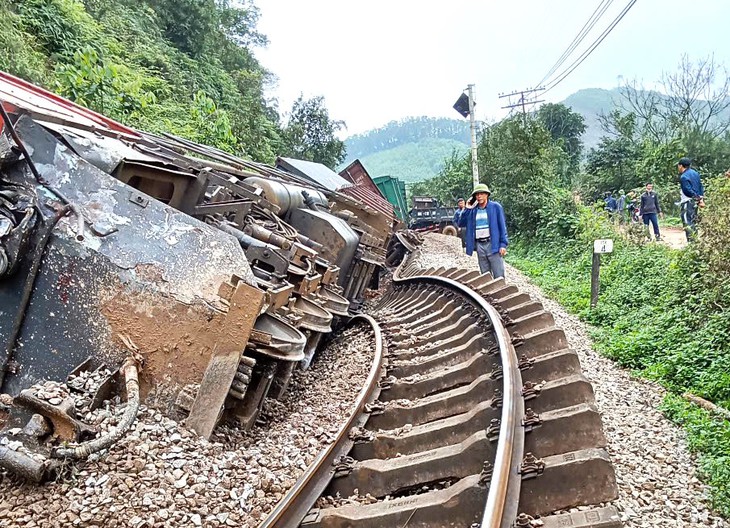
[(649, 203), (497, 227), (457, 214), (691, 184)]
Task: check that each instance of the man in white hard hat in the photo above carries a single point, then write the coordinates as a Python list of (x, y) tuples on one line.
[(486, 231)]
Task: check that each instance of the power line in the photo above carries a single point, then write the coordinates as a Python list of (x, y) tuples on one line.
[(590, 50), (592, 20), (522, 101)]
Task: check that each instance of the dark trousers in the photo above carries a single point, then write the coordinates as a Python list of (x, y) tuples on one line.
[(688, 212), (652, 217), (462, 236)]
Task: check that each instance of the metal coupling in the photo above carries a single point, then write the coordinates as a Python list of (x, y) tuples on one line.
[(377, 407), (523, 521), (493, 430), (531, 390), (486, 474)]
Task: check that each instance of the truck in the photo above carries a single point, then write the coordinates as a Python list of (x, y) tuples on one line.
[(427, 214)]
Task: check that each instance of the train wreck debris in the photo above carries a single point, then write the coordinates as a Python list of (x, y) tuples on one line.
[(218, 274)]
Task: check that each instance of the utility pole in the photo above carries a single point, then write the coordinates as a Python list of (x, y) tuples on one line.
[(474, 164), (522, 101), (465, 106)]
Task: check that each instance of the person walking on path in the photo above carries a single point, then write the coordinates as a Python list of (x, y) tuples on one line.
[(692, 196), (485, 230), (649, 209), (461, 207)]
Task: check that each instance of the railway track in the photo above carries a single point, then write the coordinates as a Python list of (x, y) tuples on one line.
[(475, 413)]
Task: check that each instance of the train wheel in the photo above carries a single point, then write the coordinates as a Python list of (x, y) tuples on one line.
[(395, 255)]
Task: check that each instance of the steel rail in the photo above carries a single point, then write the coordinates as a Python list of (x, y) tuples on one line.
[(294, 506), (502, 503)]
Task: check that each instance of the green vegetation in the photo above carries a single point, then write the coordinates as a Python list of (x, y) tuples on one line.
[(184, 67), (662, 313), (413, 162), (411, 150), (709, 437)]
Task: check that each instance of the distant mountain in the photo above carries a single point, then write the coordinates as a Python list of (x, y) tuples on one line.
[(412, 162), (591, 103), (413, 149)]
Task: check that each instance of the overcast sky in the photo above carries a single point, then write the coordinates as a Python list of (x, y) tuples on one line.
[(376, 61)]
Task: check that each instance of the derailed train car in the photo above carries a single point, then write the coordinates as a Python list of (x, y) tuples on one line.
[(184, 277)]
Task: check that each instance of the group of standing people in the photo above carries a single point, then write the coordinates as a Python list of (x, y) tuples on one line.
[(483, 228), (649, 209)]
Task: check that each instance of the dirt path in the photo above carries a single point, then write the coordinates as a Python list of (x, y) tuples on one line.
[(674, 237)]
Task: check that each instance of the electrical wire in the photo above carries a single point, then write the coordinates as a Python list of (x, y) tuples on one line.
[(590, 50), (270, 221), (592, 20)]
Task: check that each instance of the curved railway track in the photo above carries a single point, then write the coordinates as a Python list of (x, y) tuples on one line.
[(475, 413)]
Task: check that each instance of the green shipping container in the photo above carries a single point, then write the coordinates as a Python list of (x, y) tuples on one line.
[(394, 191)]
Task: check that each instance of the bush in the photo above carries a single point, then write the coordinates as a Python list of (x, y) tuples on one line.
[(661, 312), (20, 51), (61, 26)]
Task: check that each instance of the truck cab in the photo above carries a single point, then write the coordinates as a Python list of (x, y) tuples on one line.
[(427, 214)]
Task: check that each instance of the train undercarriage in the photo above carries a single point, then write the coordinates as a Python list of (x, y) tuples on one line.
[(145, 269)]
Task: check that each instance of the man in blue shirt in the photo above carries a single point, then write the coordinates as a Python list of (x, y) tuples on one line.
[(649, 209), (692, 195), (485, 231), (611, 205)]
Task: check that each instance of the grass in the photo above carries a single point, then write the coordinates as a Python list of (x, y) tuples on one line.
[(648, 321)]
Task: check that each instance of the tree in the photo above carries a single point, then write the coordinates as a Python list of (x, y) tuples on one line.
[(453, 181), (523, 168), (255, 122), (693, 105), (566, 128), (310, 133), (612, 165)]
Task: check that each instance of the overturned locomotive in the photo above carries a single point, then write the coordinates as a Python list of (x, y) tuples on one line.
[(191, 279)]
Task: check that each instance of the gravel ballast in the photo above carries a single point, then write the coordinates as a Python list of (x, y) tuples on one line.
[(161, 474), (658, 486)]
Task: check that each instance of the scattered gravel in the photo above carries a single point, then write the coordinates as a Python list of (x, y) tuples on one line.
[(654, 470), (161, 474)]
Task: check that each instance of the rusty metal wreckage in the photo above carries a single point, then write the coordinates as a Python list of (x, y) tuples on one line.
[(199, 279)]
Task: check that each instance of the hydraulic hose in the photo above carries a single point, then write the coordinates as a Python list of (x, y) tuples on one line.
[(131, 382)]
